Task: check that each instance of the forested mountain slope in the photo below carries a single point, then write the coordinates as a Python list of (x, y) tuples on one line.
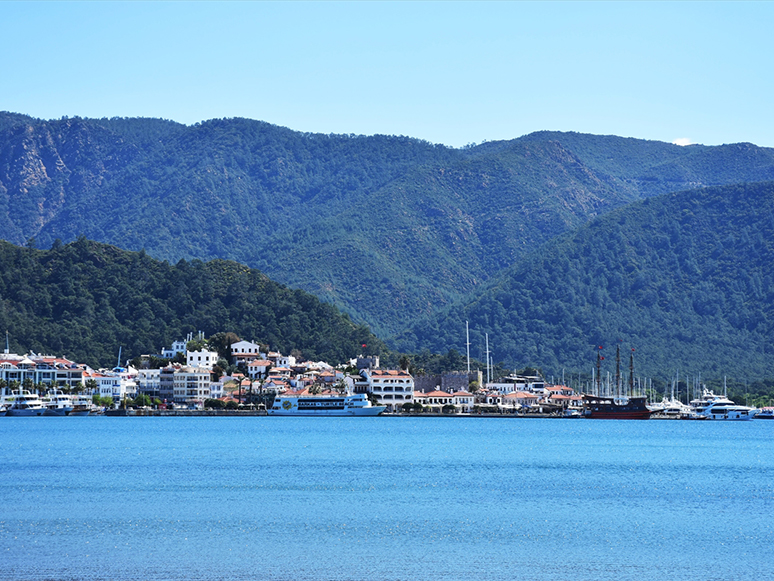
[(85, 299), (685, 278), (388, 228)]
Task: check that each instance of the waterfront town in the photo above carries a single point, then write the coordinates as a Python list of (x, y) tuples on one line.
[(193, 380)]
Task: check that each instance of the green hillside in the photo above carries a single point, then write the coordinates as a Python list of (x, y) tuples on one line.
[(86, 299), (388, 228), (685, 278)]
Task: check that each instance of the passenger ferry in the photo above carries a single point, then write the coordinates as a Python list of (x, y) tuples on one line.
[(324, 405)]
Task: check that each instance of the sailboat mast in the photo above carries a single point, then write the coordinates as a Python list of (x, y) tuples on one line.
[(618, 370), (488, 379), (467, 339), (599, 371)]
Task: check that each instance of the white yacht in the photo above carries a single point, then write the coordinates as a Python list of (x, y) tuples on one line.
[(58, 403), (719, 407), (24, 403), (324, 405), (672, 407)]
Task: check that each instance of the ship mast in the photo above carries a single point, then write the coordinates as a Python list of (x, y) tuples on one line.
[(618, 370), (467, 338), (599, 371), (631, 374)]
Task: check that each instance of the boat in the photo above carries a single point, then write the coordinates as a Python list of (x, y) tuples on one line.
[(615, 408), (25, 403), (671, 408), (719, 407), (766, 413), (82, 405), (324, 405), (58, 403)]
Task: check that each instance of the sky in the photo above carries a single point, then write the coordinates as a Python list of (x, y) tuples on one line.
[(448, 72)]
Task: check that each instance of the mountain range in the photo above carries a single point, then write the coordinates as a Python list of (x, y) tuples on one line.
[(397, 232)]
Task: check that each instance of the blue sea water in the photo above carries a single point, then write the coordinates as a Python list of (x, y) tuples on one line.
[(385, 499)]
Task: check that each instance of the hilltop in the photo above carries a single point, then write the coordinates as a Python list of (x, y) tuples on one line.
[(85, 299)]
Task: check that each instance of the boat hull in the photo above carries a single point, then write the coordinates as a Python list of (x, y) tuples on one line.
[(369, 411), (58, 412), (23, 413), (608, 408)]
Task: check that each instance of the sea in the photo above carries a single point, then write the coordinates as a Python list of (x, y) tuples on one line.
[(385, 499)]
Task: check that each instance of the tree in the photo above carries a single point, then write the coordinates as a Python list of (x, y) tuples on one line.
[(142, 400), (404, 362), (222, 341), (91, 385)]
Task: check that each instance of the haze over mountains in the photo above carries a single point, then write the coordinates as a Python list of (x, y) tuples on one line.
[(390, 229)]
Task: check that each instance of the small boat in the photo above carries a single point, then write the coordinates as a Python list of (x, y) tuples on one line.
[(766, 413)]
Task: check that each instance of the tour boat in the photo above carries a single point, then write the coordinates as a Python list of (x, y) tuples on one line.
[(82, 406), (623, 406), (25, 404), (615, 408), (323, 405), (58, 404)]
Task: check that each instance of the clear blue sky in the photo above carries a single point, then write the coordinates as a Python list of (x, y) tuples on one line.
[(451, 73)]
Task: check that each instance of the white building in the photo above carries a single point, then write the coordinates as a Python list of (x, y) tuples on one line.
[(203, 358), (177, 347), (149, 382), (115, 385), (246, 348), (46, 369), (192, 385), (259, 369), (285, 361), (391, 388)]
